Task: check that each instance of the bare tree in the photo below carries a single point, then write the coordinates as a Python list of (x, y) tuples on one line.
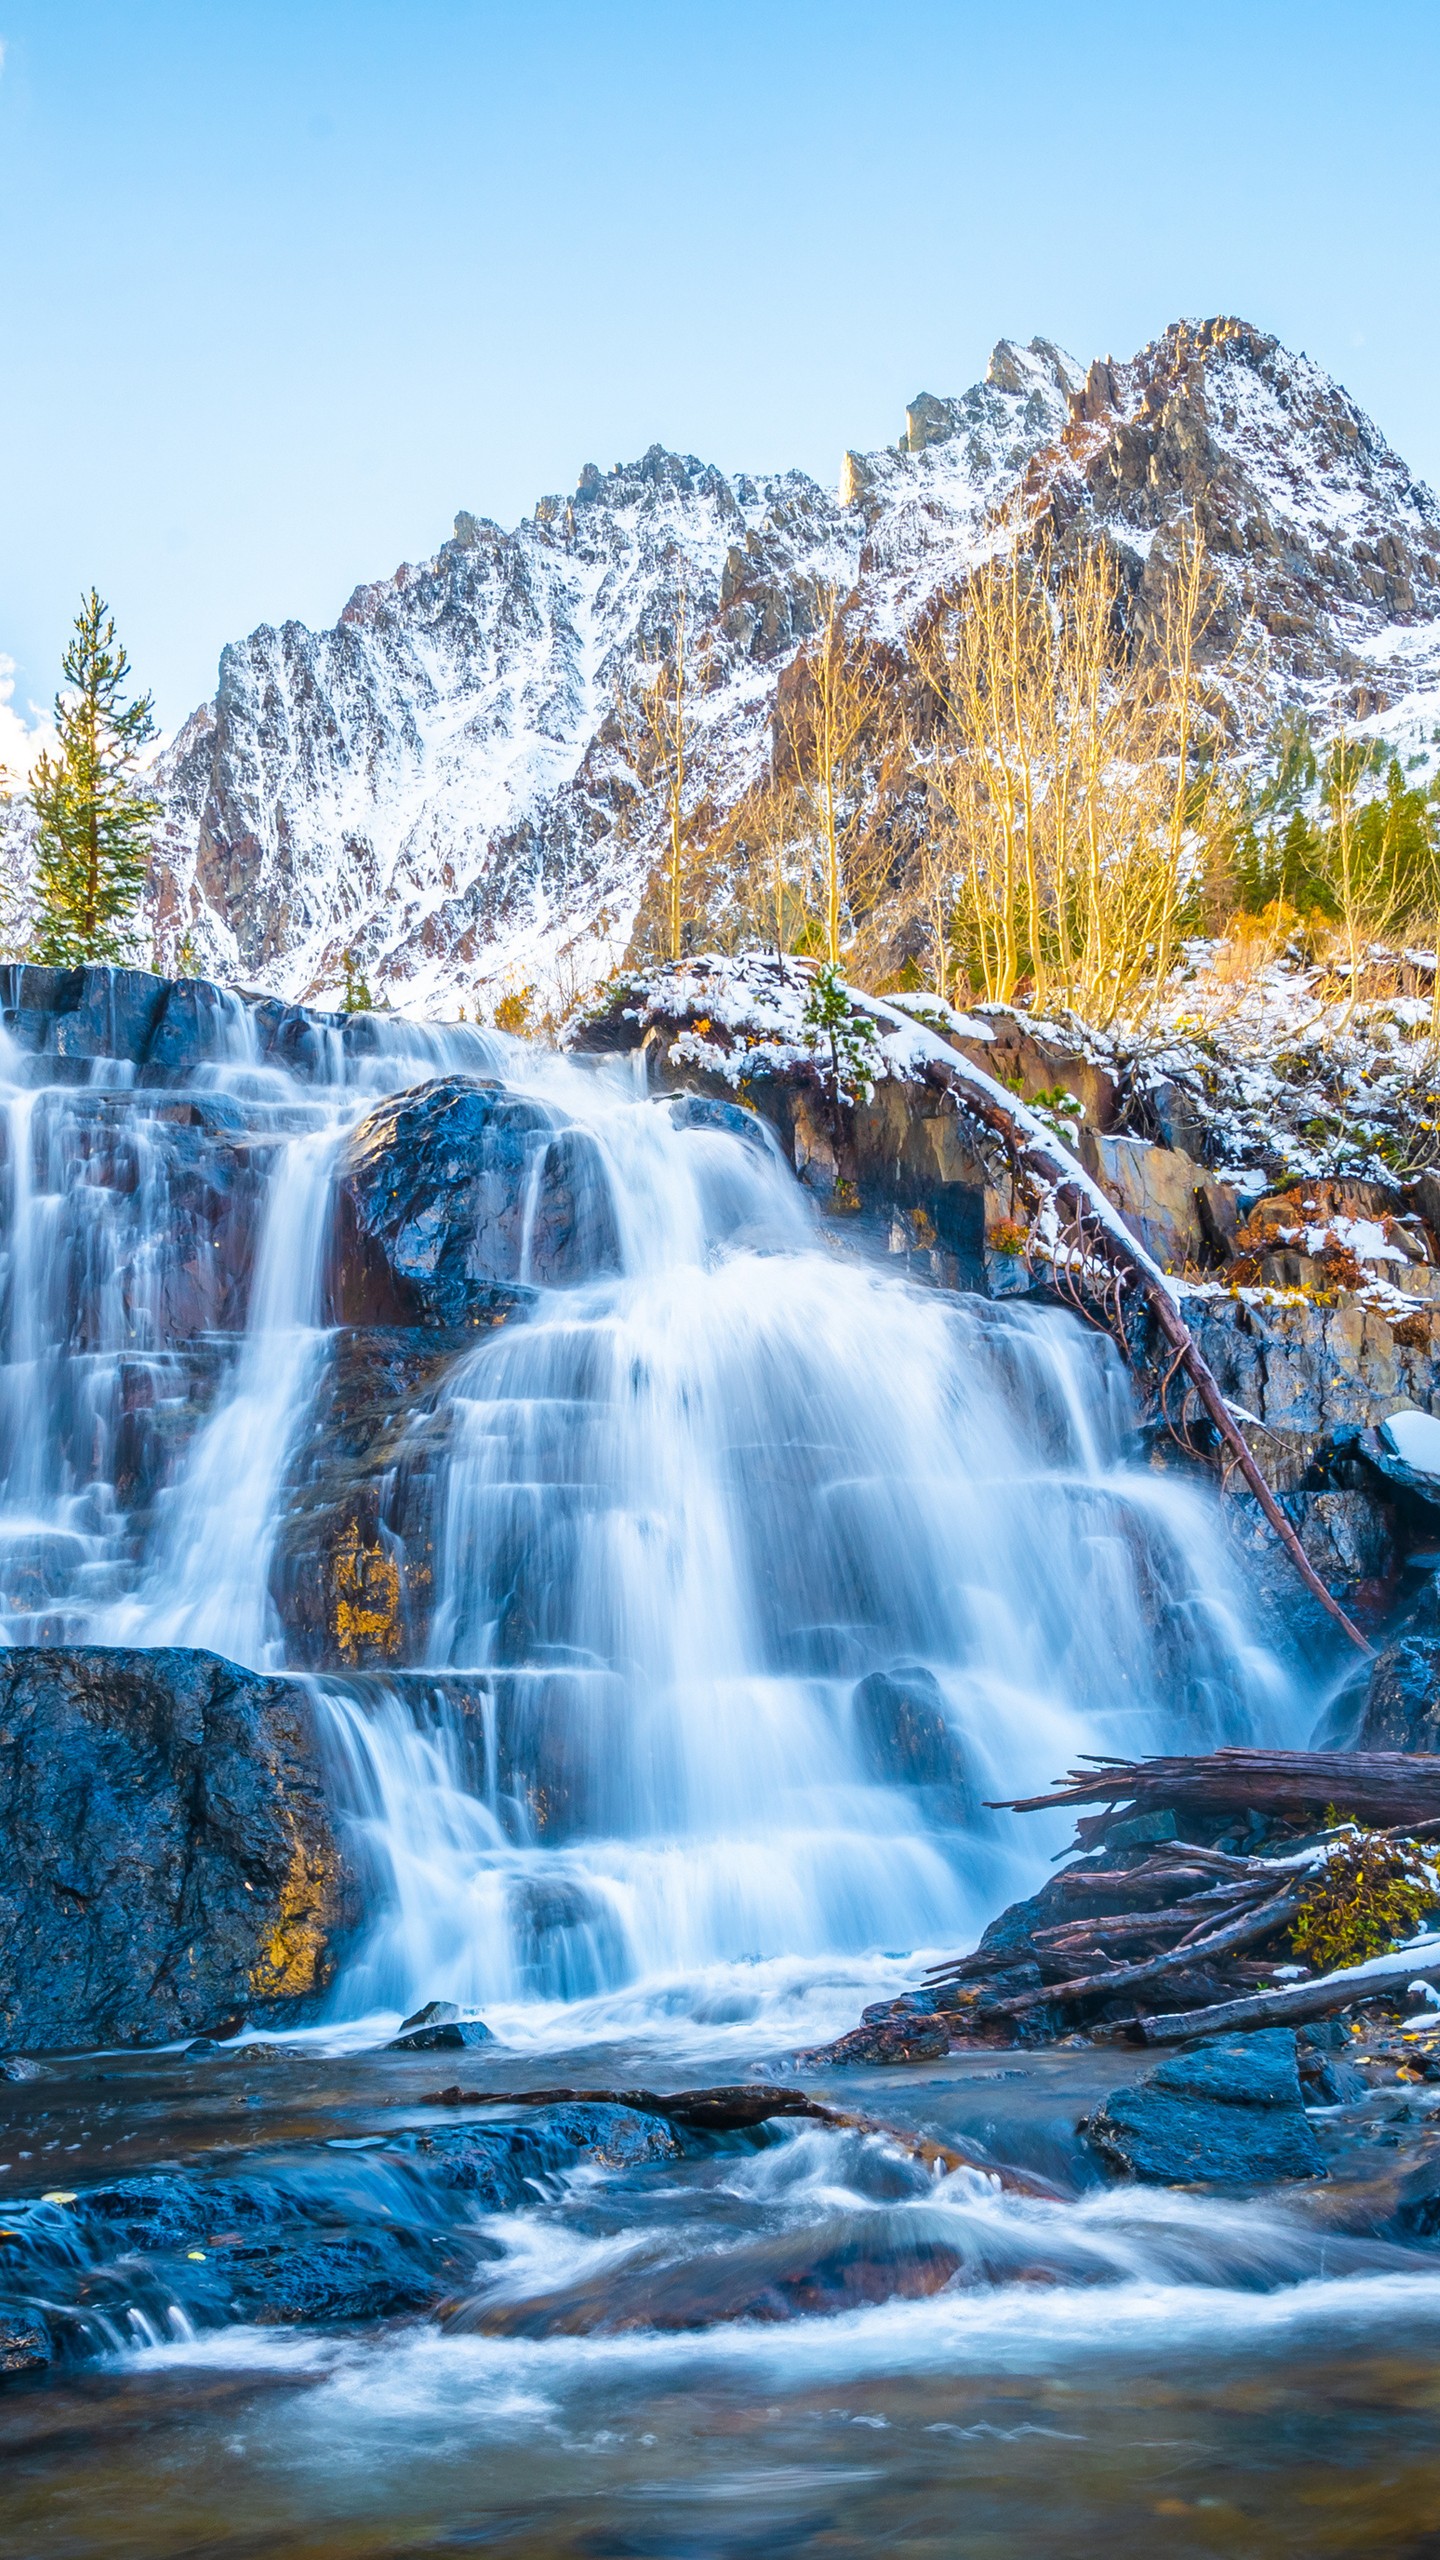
[(823, 716)]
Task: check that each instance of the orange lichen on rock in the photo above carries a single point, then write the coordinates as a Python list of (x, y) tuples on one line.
[(366, 1581)]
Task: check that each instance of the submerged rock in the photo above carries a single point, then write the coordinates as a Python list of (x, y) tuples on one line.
[(1228, 2113), (311, 2234), (24, 2340), (166, 1849)]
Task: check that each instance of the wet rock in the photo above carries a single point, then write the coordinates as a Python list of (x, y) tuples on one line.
[(18, 2066), (789, 2277), (166, 1851), (447, 2035), (352, 1575), (444, 1193), (1402, 1707), (74, 1015), (1228, 2113), (25, 2345), (903, 2036), (498, 2163), (435, 2013), (904, 1732), (327, 2277), (699, 1111)]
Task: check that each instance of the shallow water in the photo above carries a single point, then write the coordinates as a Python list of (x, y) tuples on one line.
[(1105, 2373)]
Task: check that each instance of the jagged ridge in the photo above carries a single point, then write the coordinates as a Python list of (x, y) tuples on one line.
[(438, 782)]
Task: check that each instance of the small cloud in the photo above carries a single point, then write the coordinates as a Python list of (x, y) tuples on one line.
[(21, 740)]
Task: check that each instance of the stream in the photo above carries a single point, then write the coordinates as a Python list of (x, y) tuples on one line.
[(708, 1503)]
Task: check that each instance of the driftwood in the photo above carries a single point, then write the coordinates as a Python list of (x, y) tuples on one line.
[(1249, 1930), (1100, 1234), (744, 2106), (1296, 2004), (1399, 1789), (721, 2110)]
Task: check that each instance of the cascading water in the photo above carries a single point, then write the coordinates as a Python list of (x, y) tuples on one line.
[(705, 1523), (759, 1568)]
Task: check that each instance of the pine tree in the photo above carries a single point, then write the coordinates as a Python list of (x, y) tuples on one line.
[(94, 823)]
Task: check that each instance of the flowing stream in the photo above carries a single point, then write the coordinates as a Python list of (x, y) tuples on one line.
[(717, 1520)]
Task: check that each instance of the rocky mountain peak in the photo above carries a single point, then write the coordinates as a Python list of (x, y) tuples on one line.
[(438, 782)]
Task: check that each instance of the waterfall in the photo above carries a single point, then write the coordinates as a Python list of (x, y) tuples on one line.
[(694, 1516), (760, 1571)]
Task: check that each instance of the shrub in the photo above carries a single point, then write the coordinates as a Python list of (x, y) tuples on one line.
[(1369, 1893)]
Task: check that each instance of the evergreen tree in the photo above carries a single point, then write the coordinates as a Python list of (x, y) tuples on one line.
[(829, 1016), (94, 823)]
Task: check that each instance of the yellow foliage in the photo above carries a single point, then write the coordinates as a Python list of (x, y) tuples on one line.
[(1370, 1893)]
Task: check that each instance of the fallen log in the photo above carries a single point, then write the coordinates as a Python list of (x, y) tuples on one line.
[(720, 2110), (1394, 1788), (1298, 2002), (742, 2107), (1038, 1152)]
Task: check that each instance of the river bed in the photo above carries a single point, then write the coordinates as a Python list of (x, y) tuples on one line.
[(1103, 2370)]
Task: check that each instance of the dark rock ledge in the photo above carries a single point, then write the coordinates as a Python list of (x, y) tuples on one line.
[(167, 1856)]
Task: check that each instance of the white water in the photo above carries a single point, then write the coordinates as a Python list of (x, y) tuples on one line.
[(686, 1511)]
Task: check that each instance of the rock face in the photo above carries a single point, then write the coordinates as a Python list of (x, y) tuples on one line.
[(1226, 2114), (1402, 1709), (453, 1196), (162, 1027), (352, 1573), (435, 782), (167, 1852)]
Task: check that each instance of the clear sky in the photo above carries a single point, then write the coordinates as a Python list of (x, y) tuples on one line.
[(287, 282)]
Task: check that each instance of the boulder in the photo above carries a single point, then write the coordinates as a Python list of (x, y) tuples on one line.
[(904, 1734), (452, 1198), (444, 2035), (166, 1849), (1227, 2113), (1402, 1706)]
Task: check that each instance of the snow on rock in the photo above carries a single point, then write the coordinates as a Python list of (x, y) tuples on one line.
[(439, 785), (1415, 1439)]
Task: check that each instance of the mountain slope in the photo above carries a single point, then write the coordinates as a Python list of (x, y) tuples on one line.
[(440, 783)]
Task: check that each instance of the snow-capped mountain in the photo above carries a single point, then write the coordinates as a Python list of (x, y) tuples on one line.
[(440, 785)]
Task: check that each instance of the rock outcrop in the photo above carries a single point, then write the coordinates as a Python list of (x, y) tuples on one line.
[(1402, 1705), (166, 1850), (457, 1195)]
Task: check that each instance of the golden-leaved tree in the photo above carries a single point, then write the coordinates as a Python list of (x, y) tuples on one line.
[(1077, 776)]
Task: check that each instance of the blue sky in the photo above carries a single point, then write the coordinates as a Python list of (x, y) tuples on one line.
[(282, 286)]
